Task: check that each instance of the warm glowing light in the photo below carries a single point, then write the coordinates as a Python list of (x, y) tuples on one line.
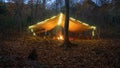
[(40, 22), (72, 18), (30, 27), (60, 19), (46, 20), (93, 27), (78, 21), (32, 30), (60, 37), (85, 24), (93, 33), (52, 17), (34, 34)]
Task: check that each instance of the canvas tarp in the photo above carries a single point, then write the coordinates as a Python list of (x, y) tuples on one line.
[(59, 20)]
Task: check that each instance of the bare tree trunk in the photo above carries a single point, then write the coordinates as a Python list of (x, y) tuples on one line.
[(66, 26), (66, 42)]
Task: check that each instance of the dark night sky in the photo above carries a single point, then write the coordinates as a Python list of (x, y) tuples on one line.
[(52, 1)]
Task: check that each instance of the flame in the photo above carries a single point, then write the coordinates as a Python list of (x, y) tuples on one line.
[(60, 37)]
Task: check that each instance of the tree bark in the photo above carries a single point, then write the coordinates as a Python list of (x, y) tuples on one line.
[(66, 42), (66, 26)]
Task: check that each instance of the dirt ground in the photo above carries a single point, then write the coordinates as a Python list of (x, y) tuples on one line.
[(31, 52)]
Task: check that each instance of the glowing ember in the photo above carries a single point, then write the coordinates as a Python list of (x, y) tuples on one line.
[(60, 37)]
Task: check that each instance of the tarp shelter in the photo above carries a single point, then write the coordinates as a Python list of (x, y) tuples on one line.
[(59, 20)]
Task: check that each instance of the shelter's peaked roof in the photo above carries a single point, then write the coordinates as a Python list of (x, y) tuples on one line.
[(59, 20)]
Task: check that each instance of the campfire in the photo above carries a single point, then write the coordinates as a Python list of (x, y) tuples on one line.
[(60, 37)]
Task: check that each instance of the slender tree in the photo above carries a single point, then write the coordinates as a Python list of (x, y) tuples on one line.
[(66, 26), (66, 21)]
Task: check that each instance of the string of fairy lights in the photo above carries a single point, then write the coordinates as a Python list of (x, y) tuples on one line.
[(60, 22)]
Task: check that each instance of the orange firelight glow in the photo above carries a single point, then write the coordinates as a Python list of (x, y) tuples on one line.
[(60, 37)]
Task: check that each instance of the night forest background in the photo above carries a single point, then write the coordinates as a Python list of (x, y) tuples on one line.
[(20, 49), (17, 15)]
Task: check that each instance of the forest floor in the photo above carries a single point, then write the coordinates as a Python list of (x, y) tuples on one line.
[(95, 53)]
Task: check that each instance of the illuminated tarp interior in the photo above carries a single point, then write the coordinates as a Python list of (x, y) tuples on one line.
[(59, 20)]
